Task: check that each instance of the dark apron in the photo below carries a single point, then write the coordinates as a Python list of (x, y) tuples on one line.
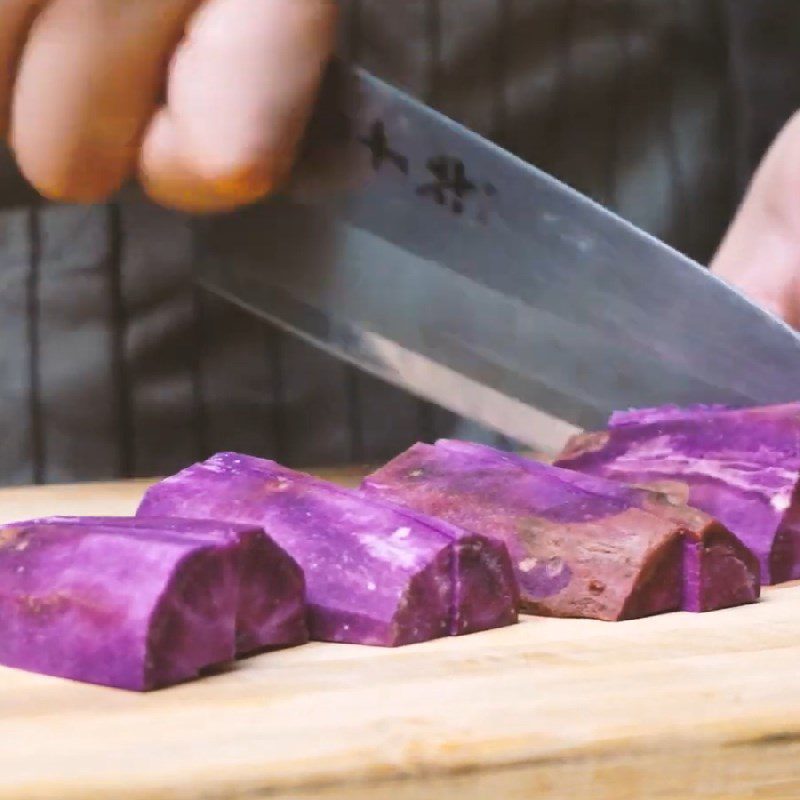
[(112, 364)]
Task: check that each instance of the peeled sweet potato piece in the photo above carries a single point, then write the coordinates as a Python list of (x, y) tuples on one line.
[(582, 546), (271, 610), (375, 574), (741, 466), (134, 613)]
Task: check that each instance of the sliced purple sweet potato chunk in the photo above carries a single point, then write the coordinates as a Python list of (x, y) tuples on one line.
[(741, 466), (719, 571), (375, 574), (582, 546), (132, 613), (271, 609)]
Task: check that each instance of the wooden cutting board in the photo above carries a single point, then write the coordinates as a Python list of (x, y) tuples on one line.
[(701, 706)]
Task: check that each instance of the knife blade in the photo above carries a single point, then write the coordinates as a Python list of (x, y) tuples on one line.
[(428, 256)]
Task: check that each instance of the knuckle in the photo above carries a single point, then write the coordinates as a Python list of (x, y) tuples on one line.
[(243, 178)]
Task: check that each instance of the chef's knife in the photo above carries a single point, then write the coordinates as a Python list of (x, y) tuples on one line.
[(431, 258)]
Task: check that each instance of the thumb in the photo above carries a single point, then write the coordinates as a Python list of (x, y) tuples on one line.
[(760, 254), (240, 91)]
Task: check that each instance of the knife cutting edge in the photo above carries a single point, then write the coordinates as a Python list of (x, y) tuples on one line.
[(430, 257)]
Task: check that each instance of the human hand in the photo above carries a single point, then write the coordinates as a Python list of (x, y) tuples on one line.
[(760, 254), (205, 99)]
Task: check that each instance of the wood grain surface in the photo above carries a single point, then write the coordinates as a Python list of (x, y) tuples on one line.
[(678, 706)]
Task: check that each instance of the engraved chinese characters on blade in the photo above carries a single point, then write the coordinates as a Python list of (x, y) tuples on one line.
[(447, 181), (378, 144), (451, 185)]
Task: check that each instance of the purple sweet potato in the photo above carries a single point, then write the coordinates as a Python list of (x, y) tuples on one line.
[(271, 609), (718, 570), (582, 546), (575, 554), (375, 574), (741, 466), (134, 613)]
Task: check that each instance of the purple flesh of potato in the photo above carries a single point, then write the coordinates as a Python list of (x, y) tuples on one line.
[(135, 613), (271, 610), (741, 466), (375, 574), (582, 546)]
